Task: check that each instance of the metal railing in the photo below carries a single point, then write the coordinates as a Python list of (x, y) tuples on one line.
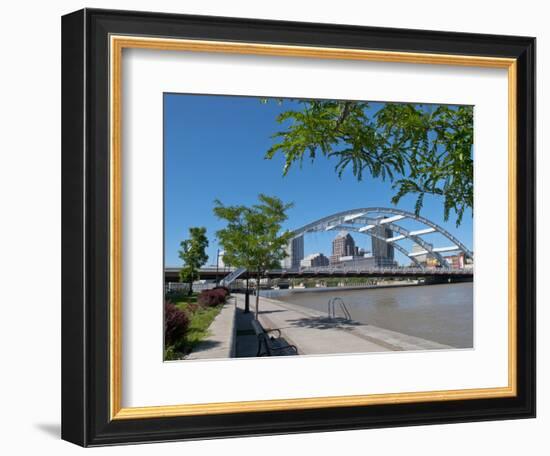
[(333, 303), (380, 271)]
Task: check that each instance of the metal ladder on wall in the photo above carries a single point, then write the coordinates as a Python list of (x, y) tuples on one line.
[(335, 302)]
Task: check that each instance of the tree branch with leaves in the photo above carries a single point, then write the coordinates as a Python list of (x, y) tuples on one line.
[(421, 149)]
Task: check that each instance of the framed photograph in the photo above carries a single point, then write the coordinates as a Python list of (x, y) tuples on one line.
[(278, 227)]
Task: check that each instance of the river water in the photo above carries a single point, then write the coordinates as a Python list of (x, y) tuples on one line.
[(440, 313)]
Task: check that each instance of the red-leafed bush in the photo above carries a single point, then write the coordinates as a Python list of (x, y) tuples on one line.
[(220, 287), (176, 323), (212, 298)]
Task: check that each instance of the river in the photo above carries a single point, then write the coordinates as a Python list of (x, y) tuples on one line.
[(440, 313)]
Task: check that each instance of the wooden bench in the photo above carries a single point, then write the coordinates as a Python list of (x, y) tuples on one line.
[(269, 345)]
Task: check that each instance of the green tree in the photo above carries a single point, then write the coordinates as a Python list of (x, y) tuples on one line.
[(193, 254), (252, 238), (421, 149)]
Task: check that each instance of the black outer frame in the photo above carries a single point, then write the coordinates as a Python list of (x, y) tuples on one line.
[(85, 227)]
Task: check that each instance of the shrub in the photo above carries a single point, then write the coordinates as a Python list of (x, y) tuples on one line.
[(212, 298), (170, 354), (176, 323), (227, 292)]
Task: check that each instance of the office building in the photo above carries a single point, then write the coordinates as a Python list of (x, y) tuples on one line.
[(381, 248), (314, 260), (295, 253), (343, 245)]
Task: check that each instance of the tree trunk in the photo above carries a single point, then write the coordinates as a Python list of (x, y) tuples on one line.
[(247, 297), (257, 294), (190, 292)]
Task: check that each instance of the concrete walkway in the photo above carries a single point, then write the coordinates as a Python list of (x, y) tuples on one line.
[(314, 333), (221, 341)]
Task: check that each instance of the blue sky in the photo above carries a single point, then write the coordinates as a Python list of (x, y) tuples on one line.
[(214, 148)]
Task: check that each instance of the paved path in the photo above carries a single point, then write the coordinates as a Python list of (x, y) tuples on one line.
[(314, 333), (221, 341)]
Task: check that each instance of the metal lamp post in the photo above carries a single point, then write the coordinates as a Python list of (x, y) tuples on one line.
[(217, 263)]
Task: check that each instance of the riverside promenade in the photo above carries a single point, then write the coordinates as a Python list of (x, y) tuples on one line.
[(221, 341), (314, 333)]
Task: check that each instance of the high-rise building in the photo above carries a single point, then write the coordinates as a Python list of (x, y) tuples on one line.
[(295, 253), (382, 251), (314, 260), (380, 247), (343, 245)]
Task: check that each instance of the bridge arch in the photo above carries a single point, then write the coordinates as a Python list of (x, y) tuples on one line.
[(364, 220)]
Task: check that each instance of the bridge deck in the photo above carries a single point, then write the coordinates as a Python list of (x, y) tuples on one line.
[(172, 274)]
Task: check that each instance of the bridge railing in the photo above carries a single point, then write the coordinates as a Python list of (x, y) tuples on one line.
[(381, 271)]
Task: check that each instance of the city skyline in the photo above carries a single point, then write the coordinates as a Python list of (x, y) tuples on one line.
[(215, 147)]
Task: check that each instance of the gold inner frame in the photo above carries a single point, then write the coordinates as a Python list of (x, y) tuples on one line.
[(117, 44)]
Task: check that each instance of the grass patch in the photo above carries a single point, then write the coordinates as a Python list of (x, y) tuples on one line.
[(200, 322)]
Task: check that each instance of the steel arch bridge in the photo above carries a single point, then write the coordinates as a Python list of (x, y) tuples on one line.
[(364, 221)]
